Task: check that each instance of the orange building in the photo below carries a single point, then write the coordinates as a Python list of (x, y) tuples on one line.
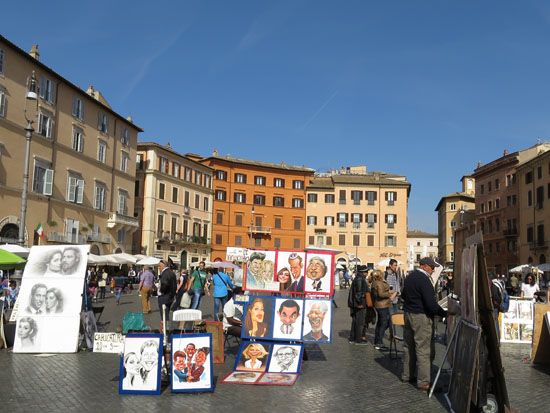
[(257, 204)]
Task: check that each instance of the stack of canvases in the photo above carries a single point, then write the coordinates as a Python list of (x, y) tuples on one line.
[(48, 308), (275, 327)]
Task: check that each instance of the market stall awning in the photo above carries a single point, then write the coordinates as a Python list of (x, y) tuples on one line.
[(10, 261)]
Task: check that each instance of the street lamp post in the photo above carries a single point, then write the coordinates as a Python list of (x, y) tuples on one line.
[(33, 96)]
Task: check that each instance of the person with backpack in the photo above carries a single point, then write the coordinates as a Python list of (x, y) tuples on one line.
[(500, 298), (223, 287)]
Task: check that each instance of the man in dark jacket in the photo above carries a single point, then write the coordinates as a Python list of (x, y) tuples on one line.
[(420, 306), (168, 287), (357, 303)]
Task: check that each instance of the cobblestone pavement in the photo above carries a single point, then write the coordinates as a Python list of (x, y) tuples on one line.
[(336, 377)]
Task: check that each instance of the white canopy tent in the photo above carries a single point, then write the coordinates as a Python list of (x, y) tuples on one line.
[(16, 249), (148, 261)]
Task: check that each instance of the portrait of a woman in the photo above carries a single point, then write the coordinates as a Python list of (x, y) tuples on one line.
[(54, 300), (132, 366), (284, 278), (255, 355), (53, 264), (254, 324), (26, 332)]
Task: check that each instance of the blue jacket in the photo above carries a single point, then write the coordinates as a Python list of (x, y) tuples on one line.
[(220, 288)]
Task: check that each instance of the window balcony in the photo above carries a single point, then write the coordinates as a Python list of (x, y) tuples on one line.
[(119, 221), (511, 232), (253, 229), (66, 238), (101, 238)]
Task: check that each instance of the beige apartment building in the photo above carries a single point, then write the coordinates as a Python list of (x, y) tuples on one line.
[(363, 215), (534, 209), (81, 169), (454, 211), (420, 244), (174, 201), (498, 207)]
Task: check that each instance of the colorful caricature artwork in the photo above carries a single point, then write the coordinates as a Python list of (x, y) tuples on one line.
[(192, 367), (319, 271), (253, 357), (317, 321), (258, 318), (260, 271), (140, 364), (50, 300), (287, 323), (242, 377), (278, 379)]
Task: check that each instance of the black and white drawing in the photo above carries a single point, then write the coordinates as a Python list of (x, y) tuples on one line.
[(285, 358), (140, 364)]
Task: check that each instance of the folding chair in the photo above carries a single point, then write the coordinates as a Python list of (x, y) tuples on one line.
[(397, 319), (227, 337)]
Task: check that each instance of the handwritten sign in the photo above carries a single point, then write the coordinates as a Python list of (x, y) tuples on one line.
[(108, 343)]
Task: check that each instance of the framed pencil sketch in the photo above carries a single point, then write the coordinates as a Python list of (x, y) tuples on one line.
[(191, 363), (140, 364), (286, 358)]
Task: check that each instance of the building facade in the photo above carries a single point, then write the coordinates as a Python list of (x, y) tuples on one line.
[(498, 208), (454, 211), (420, 244), (81, 178), (174, 201), (256, 204), (362, 215), (533, 179)]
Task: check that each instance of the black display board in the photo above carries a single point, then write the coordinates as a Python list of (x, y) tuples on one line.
[(464, 365)]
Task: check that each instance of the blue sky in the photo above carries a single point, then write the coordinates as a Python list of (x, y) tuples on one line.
[(420, 88)]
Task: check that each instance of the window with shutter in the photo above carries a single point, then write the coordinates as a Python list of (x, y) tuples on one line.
[(48, 182)]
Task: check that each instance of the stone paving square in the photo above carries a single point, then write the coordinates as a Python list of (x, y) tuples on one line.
[(336, 377)]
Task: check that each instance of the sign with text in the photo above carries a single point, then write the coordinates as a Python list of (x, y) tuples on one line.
[(108, 343)]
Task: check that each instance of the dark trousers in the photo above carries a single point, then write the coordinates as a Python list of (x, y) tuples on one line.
[(357, 322), (382, 325), (167, 300)]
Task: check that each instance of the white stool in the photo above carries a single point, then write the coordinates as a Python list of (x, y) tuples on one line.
[(187, 316)]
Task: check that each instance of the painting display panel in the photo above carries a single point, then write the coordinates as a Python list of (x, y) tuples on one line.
[(258, 319), (317, 321), (260, 271), (140, 364), (50, 299), (468, 281), (288, 318), (285, 358), (192, 366), (517, 322), (319, 273)]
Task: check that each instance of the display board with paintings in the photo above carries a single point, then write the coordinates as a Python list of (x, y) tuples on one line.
[(50, 299), (288, 319), (517, 323), (191, 363), (140, 364), (262, 357), (290, 272)]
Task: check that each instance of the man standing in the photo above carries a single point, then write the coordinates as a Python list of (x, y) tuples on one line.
[(420, 306), (168, 286), (316, 316), (198, 284), (296, 266), (357, 303), (146, 282), (37, 299), (392, 278)]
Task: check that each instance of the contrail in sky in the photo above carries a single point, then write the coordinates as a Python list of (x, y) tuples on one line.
[(324, 105)]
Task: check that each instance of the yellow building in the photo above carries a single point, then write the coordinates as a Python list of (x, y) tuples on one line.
[(81, 168), (534, 209), (454, 211), (362, 214), (174, 201)]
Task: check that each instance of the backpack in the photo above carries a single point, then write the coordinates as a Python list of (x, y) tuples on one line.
[(504, 299)]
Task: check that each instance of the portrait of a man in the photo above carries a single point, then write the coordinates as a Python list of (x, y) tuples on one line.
[(70, 260), (284, 359), (316, 312), (288, 320), (296, 265), (37, 299), (254, 268), (317, 268)]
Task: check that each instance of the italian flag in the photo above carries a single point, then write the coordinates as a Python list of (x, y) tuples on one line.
[(40, 231)]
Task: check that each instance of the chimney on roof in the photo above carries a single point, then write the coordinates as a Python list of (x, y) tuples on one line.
[(34, 52), (129, 119), (478, 164), (506, 152), (90, 91), (168, 144), (215, 152)]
